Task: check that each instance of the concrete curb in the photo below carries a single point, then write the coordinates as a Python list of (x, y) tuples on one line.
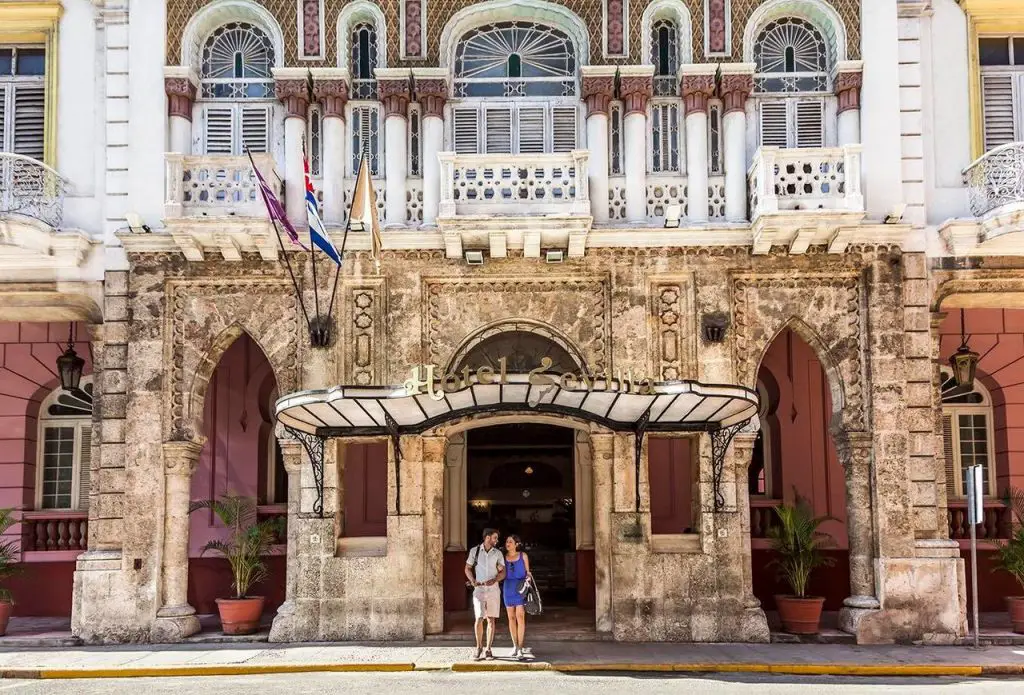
[(877, 670)]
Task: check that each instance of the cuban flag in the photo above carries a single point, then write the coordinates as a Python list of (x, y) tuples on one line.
[(317, 233)]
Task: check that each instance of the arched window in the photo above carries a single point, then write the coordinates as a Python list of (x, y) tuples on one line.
[(237, 59), (967, 437), (760, 474), (665, 57), (65, 449), (518, 351), (364, 60), (792, 59)]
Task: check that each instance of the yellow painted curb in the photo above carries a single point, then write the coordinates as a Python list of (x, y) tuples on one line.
[(790, 669), (216, 670)]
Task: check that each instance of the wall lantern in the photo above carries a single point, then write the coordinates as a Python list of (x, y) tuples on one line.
[(964, 361), (713, 326), (70, 365)]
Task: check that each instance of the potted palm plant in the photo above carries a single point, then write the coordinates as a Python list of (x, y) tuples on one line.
[(8, 566), (249, 541), (1010, 557), (798, 544)]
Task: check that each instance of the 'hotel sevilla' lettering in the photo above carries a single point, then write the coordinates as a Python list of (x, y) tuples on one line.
[(423, 380)]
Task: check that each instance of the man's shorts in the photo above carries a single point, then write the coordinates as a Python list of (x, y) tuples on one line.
[(486, 602)]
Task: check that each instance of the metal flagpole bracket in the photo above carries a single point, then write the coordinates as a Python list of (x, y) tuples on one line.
[(314, 446), (720, 441), (396, 442), (320, 331), (638, 448)]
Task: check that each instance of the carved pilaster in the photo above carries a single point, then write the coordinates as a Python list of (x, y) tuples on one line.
[(333, 95), (696, 90), (635, 90), (735, 89), (432, 93), (294, 94), (598, 91), (181, 94), (848, 86), (394, 94)]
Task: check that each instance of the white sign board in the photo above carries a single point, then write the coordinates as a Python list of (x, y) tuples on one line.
[(975, 495)]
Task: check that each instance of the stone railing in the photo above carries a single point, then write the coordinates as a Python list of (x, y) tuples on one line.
[(49, 530), (514, 184), (30, 188), (762, 516), (996, 178), (996, 524), (217, 185), (825, 178)]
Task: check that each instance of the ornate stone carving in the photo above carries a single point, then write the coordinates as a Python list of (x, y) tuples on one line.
[(635, 90), (333, 94), (615, 23), (363, 337), (394, 94), (432, 93), (413, 28), (598, 91), (673, 329), (824, 309), (848, 86), (735, 89), (696, 90), (294, 94), (181, 94), (311, 39), (715, 11)]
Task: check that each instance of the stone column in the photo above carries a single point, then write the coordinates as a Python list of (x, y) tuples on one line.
[(735, 87), (636, 83), (176, 619), (603, 444), (698, 83), (431, 85), (848, 85), (291, 87), (291, 452), (393, 91), (854, 452), (743, 453), (433, 533), (330, 88), (180, 85), (598, 89)]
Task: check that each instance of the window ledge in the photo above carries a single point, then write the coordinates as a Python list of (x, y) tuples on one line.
[(688, 543), (371, 546)]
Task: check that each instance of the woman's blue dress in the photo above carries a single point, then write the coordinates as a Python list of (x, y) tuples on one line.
[(514, 571)]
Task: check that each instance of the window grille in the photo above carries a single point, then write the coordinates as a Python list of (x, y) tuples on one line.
[(791, 57), (364, 61), (365, 124), (664, 137), (65, 449), (665, 57), (237, 62), (415, 141), (515, 59), (615, 139)]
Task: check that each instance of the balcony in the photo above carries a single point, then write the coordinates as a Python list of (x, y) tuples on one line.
[(217, 185), (995, 190), (29, 188)]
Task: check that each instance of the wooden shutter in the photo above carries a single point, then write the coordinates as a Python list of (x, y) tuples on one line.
[(84, 467), (564, 127), (810, 126), (366, 489), (466, 130), (997, 94), (774, 124), (670, 484), (219, 130), (29, 120), (3, 118), (947, 452), (531, 129), (255, 128), (498, 130)]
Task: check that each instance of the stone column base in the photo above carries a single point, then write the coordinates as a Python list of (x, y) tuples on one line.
[(174, 624), (296, 622), (106, 607), (854, 610)]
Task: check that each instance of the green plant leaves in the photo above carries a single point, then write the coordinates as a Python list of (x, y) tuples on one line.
[(798, 544)]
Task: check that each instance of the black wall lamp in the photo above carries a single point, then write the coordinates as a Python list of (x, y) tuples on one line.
[(70, 365)]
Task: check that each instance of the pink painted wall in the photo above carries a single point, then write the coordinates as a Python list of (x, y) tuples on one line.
[(998, 336)]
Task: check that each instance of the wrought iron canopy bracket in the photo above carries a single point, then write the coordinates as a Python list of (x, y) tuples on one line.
[(396, 442), (720, 441), (638, 448), (314, 446)]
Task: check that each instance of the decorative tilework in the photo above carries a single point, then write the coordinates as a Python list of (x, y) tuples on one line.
[(312, 41), (717, 26), (616, 27), (413, 29)]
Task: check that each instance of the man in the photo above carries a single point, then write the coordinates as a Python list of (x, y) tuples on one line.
[(485, 567)]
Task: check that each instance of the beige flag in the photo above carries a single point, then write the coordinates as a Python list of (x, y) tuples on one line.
[(363, 215)]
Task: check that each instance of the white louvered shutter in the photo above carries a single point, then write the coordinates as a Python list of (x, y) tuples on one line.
[(497, 130), (998, 97), (564, 128), (3, 118), (809, 123), (254, 128), (947, 451), (29, 120), (774, 124), (219, 130), (531, 129), (466, 130), (84, 467)]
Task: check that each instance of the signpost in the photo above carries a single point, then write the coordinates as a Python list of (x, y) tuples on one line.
[(975, 515)]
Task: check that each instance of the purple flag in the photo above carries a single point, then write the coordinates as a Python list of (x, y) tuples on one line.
[(274, 207)]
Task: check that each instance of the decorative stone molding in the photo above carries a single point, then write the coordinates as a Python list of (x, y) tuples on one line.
[(413, 35), (598, 88), (291, 87), (394, 90), (180, 84), (330, 88), (636, 86), (736, 85), (431, 87), (679, 12), (182, 458), (849, 80), (364, 328), (672, 305), (696, 89)]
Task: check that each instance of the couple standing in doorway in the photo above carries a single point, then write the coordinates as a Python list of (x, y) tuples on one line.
[(486, 566)]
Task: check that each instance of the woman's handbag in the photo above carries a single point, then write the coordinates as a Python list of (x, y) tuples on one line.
[(522, 586), (533, 604)]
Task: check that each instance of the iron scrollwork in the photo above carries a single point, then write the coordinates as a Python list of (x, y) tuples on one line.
[(396, 442), (638, 444), (720, 441), (314, 446)]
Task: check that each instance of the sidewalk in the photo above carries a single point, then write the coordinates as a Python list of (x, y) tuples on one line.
[(255, 658)]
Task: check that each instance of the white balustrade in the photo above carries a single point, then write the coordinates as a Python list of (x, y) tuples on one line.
[(996, 178), (518, 184), (825, 178), (32, 189), (218, 185)]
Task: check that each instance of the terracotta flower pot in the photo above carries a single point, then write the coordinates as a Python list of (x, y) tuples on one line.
[(5, 615), (1015, 606), (240, 616), (800, 616)]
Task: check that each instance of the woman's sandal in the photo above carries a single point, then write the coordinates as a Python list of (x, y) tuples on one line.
[(489, 656)]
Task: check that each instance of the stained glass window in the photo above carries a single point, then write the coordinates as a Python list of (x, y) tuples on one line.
[(515, 59), (237, 60), (791, 56)]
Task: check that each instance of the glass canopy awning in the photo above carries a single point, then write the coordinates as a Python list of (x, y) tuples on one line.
[(671, 406)]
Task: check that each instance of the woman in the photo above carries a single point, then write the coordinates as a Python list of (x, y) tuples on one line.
[(517, 568)]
